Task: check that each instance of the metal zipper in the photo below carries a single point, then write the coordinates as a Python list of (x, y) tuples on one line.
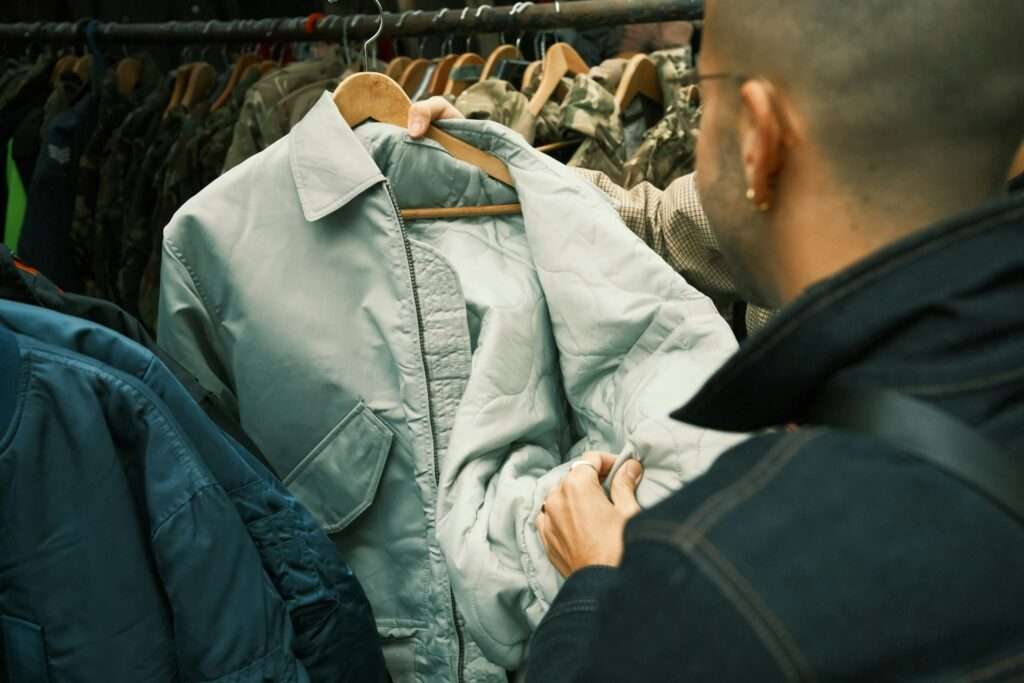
[(430, 409)]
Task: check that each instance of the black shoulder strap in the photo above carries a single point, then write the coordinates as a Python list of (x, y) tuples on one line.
[(931, 434)]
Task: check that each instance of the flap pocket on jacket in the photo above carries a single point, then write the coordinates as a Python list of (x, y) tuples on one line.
[(338, 480)]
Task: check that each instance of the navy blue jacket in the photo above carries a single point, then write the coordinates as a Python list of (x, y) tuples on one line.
[(139, 543), (822, 554)]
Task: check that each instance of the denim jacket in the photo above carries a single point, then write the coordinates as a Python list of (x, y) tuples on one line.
[(817, 554)]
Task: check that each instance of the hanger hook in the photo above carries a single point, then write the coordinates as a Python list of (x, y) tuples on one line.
[(375, 36), (436, 20), (401, 20), (522, 7)]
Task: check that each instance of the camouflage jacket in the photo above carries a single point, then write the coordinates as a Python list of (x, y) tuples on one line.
[(497, 100), (260, 122), (668, 150)]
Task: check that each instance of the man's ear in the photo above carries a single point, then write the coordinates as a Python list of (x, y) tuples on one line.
[(761, 138)]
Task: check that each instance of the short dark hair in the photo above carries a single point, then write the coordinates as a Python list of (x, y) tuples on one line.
[(937, 80)]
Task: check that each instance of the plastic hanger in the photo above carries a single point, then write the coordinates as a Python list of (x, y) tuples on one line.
[(500, 54), (239, 71), (561, 59), (365, 96), (639, 78), (466, 61)]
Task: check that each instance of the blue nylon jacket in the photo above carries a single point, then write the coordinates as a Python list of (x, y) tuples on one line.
[(141, 543)]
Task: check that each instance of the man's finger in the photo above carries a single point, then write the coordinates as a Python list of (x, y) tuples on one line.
[(586, 468), (624, 487), (421, 114)]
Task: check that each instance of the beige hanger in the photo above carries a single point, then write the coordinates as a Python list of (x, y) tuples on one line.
[(366, 96), (555, 146), (181, 78), (500, 54), (239, 71), (639, 78), (439, 80), (200, 83), (561, 59), (396, 67), (129, 73), (454, 87), (413, 75)]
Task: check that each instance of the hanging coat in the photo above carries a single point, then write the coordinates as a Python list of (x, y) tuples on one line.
[(421, 386)]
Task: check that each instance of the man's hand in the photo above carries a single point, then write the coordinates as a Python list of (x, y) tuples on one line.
[(422, 114), (578, 525)]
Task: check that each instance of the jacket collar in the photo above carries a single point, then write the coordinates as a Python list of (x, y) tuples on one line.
[(329, 163), (937, 304)]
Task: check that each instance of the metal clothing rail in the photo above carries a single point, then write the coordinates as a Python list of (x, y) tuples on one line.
[(486, 19)]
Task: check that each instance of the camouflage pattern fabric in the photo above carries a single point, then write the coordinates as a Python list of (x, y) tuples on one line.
[(548, 127), (608, 73), (146, 188), (259, 122), (589, 110), (673, 223), (669, 149), (296, 105), (217, 132), (121, 158), (497, 100), (113, 110), (675, 72)]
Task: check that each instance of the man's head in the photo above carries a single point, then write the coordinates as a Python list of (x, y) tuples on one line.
[(832, 127)]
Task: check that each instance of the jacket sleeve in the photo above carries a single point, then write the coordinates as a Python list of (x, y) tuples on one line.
[(186, 328), (673, 223)]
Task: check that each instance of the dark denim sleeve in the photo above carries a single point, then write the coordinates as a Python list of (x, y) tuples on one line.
[(559, 650)]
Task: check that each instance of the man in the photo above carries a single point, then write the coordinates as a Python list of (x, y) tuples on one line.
[(852, 162)]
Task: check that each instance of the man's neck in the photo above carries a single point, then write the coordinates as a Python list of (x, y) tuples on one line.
[(827, 232)]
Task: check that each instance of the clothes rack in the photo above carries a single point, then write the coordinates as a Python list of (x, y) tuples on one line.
[(334, 28)]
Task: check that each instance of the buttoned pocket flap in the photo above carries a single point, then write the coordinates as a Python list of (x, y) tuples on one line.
[(338, 480)]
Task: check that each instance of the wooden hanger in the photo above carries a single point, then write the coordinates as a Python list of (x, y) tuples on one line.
[(181, 78), (528, 74), (366, 96), (396, 67), (129, 73), (63, 65), (200, 83), (439, 80), (561, 59), (500, 54), (413, 75), (241, 68), (470, 59), (83, 68), (639, 78)]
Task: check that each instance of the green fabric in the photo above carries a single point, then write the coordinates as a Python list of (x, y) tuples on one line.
[(17, 202)]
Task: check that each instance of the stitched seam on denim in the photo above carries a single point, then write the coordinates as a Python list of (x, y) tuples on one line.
[(769, 628), (860, 282), (751, 483), (974, 384), (995, 668)]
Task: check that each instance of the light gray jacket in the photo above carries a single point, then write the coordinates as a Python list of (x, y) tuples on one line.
[(421, 386)]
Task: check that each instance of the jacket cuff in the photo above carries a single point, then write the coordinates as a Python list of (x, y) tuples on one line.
[(582, 590)]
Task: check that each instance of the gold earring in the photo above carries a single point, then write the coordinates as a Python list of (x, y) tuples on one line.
[(751, 194)]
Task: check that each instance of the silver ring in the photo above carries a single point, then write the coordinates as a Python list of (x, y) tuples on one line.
[(584, 463)]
